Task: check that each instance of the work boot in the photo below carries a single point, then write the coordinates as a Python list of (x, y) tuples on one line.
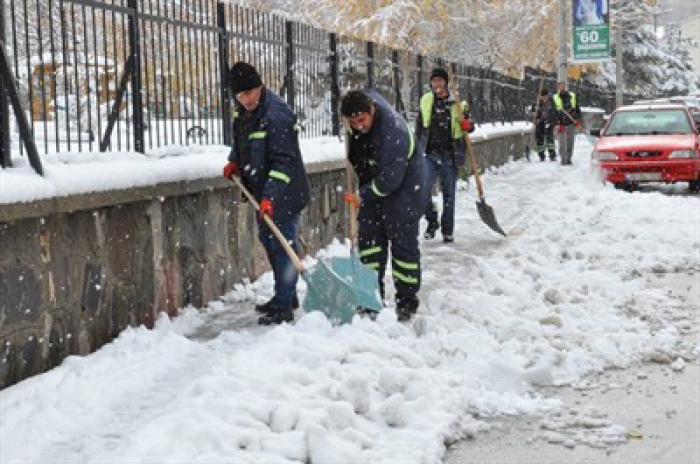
[(268, 308), (368, 313), (542, 157), (278, 316), (430, 231), (406, 307), (448, 238)]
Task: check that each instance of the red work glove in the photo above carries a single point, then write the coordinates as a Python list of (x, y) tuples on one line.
[(265, 208), (465, 125), (577, 124), (230, 170), (561, 128), (352, 200)]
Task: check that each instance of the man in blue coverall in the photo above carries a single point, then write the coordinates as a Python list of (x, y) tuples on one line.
[(266, 154), (393, 193)]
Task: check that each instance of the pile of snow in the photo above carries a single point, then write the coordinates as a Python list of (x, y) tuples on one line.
[(562, 297)]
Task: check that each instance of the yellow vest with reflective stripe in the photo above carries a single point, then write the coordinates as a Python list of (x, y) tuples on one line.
[(559, 104), (426, 111)]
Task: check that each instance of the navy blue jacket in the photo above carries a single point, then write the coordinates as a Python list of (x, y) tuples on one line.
[(389, 165), (266, 147)]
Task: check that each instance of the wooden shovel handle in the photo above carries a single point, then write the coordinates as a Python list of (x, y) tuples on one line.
[(578, 129), (350, 183), (465, 136), (298, 265)]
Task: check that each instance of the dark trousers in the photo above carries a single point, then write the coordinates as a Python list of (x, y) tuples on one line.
[(381, 232), (442, 165), (282, 267), (544, 138)]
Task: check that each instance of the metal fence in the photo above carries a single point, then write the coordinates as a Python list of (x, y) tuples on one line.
[(115, 75)]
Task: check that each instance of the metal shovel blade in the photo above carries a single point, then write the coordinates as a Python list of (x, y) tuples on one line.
[(340, 287), (488, 216)]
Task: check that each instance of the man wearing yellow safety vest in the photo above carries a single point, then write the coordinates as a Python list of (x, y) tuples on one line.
[(567, 116), (266, 155), (440, 135), (393, 191)]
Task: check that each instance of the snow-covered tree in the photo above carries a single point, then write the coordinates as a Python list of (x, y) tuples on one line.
[(679, 76), (651, 67)]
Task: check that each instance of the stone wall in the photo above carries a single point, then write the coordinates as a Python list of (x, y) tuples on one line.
[(75, 271)]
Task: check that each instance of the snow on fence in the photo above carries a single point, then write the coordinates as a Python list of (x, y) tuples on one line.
[(120, 75)]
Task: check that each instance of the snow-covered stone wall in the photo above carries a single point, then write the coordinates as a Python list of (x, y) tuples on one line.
[(76, 270)]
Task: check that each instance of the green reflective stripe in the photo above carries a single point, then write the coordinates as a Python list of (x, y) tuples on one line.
[(456, 114), (404, 278), (297, 127), (377, 191), (412, 143), (280, 176), (257, 135), (372, 265), (426, 108), (372, 162), (405, 265), (370, 251)]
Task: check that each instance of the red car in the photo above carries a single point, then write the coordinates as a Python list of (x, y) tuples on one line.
[(649, 143)]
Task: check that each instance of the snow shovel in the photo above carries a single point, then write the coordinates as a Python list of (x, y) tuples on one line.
[(485, 211), (368, 294), (327, 291), (364, 291)]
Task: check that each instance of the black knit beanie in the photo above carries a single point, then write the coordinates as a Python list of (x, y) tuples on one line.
[(439, 72), (243, 76)]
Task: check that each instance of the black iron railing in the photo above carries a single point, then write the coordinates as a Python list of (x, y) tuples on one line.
[(114, 75)]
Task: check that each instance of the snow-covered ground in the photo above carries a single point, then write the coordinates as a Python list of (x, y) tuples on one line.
[(563, 296)]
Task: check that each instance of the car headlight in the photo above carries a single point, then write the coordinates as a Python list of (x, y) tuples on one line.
[(603, 155), (684, 154)]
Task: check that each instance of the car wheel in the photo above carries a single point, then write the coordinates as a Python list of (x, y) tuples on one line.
[(694, 185)]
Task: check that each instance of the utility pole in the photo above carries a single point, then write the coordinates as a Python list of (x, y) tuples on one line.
[(619, 75), (563, 42)]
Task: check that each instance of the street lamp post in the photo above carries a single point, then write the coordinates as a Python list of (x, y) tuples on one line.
[(563, 42), (619, 72)]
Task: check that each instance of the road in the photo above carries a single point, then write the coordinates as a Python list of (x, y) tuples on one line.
[(657, 404)]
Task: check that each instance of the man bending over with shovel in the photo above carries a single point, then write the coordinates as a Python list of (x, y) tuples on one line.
[(393, 193), (266, 154)]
